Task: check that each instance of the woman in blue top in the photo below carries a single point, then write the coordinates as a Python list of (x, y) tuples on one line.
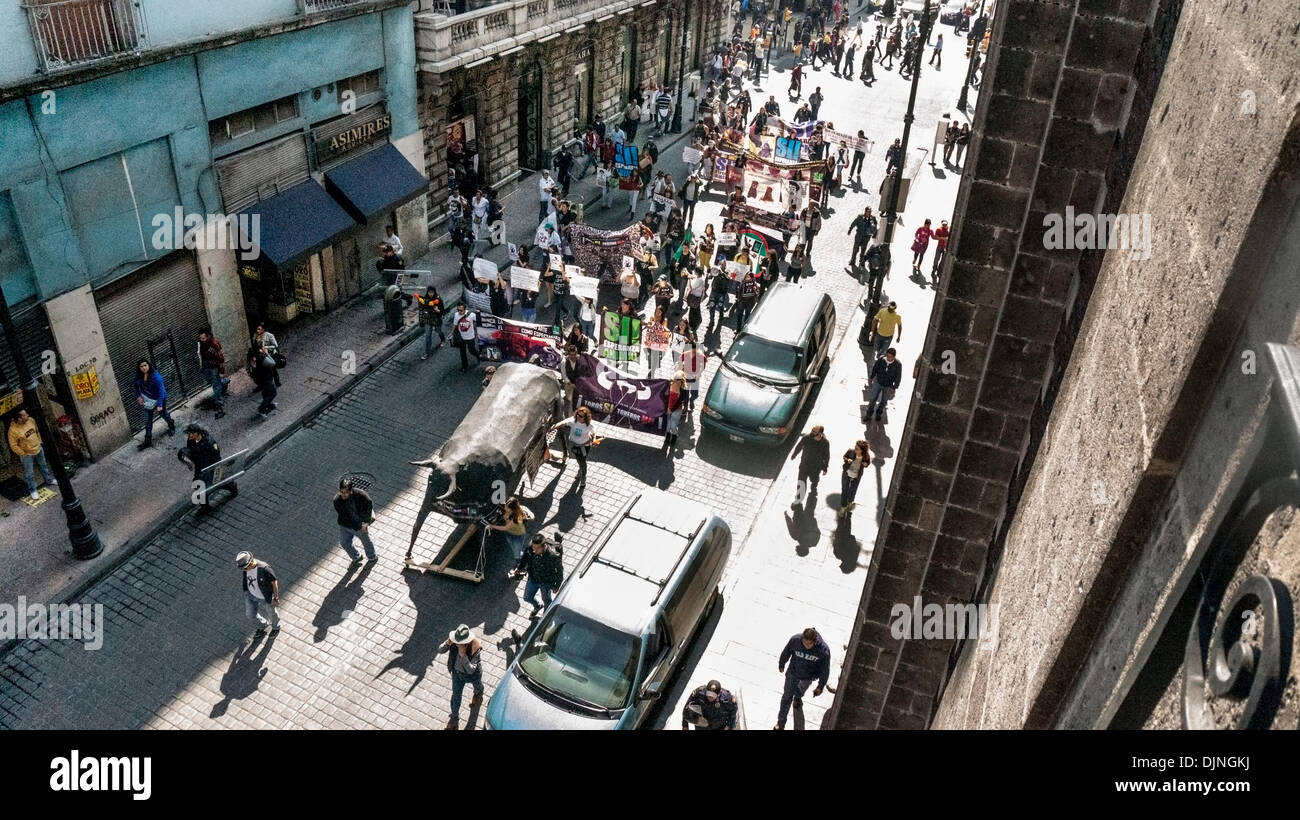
[(152, 396)]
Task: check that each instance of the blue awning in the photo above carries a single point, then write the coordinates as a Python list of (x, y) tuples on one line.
[(296, 222), (375, 182)]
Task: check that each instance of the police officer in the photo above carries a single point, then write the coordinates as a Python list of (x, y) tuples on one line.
[(201, 452), (710, 707)]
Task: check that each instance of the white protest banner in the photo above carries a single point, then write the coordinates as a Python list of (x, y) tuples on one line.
[(629, 264), (691, 156), (584, 287), (485, 270), (512, 250), (557, 262), (737, 269), (524, 278), (572, 270), (726, 239), (663, 200)]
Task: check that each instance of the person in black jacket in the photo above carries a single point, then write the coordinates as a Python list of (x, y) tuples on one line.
[(201, 452), (886, 375), (262, 368), (893, 158), (545, 569), (809, 658), (814, 452), (464, 662), (863, 229), (261, 589), (710, 707), (356, 513)]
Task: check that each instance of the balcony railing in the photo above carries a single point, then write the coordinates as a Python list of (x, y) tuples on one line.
[(70, 33), (490, 29), (314, 6)]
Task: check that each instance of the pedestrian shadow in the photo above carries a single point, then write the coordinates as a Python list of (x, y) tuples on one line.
[(878, 440), (919, 278), (845, 546), (939, 173), (341, 599), (244, 674), (434, 620), (801, 523)]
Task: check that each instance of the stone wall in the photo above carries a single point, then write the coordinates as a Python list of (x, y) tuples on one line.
[(1050, 117), (1133, 473)]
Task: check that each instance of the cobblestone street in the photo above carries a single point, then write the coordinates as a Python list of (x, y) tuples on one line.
[(358, 645)]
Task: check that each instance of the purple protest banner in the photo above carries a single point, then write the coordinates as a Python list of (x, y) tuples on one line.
[(620, 400)]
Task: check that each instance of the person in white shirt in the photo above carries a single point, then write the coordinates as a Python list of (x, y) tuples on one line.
[(544, 185), (463, 324), (579, 440), (587, 318), (480, 211), (391, 238)]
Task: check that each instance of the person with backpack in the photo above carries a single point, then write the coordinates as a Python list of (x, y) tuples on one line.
[(465, 664), (354, 512), (544, 566), (749, 293)]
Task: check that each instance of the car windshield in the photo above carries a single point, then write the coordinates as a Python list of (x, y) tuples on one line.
[(579, 659), (764, 358)]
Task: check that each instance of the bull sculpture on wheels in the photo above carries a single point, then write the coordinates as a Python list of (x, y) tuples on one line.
[(501, 441)]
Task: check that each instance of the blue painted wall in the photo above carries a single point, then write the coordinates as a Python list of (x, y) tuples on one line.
[(154, 121)]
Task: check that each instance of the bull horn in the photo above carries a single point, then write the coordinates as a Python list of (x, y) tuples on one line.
[(450, 489), (426, 463)]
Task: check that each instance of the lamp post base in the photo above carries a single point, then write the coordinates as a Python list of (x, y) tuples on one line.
[(85, 541)]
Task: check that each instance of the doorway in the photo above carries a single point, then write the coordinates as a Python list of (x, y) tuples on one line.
[(531, 156)]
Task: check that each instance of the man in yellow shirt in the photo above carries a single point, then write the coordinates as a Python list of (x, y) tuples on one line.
[(884, 326), (25, 442)]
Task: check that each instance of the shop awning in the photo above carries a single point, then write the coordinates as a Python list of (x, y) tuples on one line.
[(295, 223), (375, 182)]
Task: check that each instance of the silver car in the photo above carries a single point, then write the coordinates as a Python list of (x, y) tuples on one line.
[(604, 651)]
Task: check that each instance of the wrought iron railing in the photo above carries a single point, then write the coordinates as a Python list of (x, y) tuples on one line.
[(69, 33), (439, 36)]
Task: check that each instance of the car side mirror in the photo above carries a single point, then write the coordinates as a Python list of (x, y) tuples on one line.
[(813, 379), (652, 690)]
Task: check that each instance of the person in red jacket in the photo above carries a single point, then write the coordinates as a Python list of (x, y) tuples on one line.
[(940, 249), (676, 402), (920, 242)]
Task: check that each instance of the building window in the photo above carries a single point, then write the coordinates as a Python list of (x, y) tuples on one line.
[(251, 120), (360, 85)]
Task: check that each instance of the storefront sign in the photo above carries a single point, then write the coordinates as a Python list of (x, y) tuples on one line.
[(11, 401), (459, 135), (363, 133)]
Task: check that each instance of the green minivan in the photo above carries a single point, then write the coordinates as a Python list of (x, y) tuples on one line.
[(769, 371)]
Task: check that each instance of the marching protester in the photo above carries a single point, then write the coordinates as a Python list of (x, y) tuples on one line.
[(543, 565), (431, 315), (213, 363)]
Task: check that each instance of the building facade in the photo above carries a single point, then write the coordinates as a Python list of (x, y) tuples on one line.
[(166, 166), (502, 87)]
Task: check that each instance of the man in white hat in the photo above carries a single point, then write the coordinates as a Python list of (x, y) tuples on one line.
[(261, 589), (463, 662)]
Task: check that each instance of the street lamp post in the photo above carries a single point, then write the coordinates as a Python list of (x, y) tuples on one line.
[(85, 541), (676, 125), (970, 65), (891, 208)]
